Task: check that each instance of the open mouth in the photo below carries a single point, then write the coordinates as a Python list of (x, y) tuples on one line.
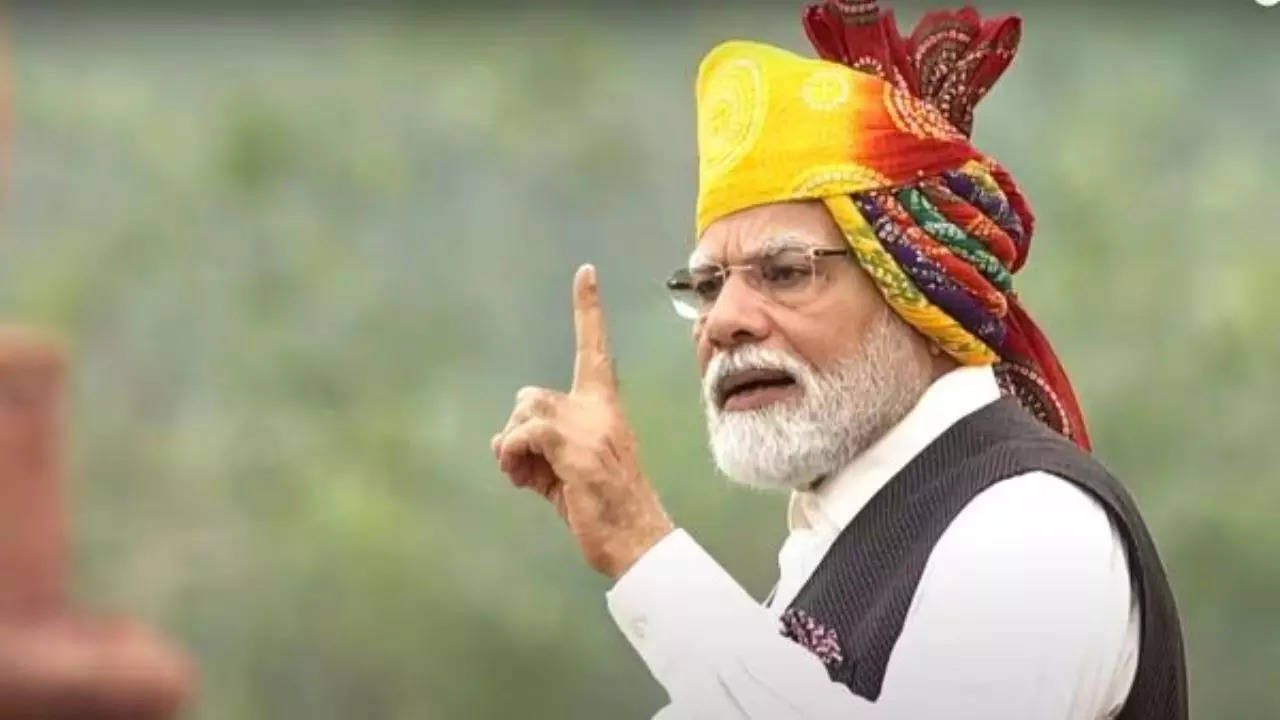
[(747, 389)]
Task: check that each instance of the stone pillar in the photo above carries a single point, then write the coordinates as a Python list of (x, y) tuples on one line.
[(57, 663), (33, 531)]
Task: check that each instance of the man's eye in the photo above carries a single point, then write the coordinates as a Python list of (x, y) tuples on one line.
[(784, 275), (707, 288)]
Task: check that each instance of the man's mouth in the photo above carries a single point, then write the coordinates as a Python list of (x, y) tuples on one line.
[(747, 389)]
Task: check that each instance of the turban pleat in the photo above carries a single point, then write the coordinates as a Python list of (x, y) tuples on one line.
[(903, 295), (971, 220), (929, 276), (956, 266), (961, 243), (979, 189)]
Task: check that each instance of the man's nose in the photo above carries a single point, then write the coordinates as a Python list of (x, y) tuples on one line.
[(738, 315)]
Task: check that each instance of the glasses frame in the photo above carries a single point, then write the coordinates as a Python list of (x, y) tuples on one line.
[(681, 281)]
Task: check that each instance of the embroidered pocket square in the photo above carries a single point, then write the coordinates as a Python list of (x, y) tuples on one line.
[(805, 630)]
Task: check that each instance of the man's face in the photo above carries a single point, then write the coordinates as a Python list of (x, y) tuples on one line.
[(820, 332), (798, 383)]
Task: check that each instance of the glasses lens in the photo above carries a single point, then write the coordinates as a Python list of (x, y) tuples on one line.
[(684, 309), (683, 298), (706, 283), (787, 277)]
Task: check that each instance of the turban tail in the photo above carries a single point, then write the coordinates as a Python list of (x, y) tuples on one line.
[(878, 131)]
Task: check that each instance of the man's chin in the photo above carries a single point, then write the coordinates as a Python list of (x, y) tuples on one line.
[(765, 484), (755, 461)]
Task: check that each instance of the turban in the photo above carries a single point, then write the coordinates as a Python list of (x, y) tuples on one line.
[(878, 131)]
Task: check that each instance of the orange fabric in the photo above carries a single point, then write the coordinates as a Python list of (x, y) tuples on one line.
[(774, 126)]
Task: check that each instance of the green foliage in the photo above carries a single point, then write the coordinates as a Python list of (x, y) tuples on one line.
[(305, 261)]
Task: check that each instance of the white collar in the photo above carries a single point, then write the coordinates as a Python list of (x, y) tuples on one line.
[(837, 500)]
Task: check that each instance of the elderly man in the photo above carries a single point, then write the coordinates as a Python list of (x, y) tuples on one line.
[(954, 552)]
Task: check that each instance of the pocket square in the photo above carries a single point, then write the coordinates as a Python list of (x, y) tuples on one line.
[(805, 630)]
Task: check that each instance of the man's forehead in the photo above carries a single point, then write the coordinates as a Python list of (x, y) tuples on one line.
[(741, 247), (766, 228)]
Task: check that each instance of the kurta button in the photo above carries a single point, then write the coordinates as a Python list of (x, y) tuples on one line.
[(639, 627)]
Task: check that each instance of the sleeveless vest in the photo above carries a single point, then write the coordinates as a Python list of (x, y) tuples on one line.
[(863, 586)]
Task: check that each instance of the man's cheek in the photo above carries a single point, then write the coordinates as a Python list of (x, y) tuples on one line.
[(702, 352)]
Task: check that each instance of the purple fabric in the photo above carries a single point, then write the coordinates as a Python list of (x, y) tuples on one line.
[(992, 205)]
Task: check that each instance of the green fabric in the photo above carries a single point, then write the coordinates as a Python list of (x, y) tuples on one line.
[(957, 240)]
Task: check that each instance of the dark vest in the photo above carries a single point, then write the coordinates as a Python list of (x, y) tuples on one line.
[(851, 610)]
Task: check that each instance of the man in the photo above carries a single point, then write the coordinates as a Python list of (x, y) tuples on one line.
[(954, 551)]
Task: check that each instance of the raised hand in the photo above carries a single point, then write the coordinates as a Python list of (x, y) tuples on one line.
[(577, 449)]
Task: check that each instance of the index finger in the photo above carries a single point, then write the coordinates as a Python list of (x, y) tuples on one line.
[(593, 366)]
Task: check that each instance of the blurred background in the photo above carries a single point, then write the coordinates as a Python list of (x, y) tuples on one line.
[(304, 258)]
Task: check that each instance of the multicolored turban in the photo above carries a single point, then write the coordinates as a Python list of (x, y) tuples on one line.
[(878, 130)]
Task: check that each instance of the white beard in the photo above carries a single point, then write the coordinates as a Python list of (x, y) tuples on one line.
[(840, 412)]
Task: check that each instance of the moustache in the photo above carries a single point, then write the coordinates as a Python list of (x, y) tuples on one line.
[(751, 365)]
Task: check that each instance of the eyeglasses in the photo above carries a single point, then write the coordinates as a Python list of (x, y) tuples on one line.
[(790, 277)]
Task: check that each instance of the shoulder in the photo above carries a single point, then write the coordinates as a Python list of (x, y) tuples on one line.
[(1028, 587), (1030, 549), (1036, 499), (1034, 522)]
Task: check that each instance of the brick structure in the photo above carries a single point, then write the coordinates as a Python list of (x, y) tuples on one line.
[(57, 663)]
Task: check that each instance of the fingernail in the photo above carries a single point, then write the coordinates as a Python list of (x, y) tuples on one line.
[(589, 271)]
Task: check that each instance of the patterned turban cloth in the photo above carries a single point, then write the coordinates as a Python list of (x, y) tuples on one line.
[(878, 130)]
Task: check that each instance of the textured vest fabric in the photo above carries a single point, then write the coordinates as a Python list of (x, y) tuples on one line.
[(851, 610)]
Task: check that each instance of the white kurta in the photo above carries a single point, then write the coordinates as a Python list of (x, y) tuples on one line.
[(1024, 610)]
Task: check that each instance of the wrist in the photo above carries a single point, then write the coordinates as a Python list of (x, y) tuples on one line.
[(635, 544)]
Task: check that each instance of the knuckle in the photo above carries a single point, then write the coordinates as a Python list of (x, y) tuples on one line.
[(548, 433), (540, 406), (530, 393), (536, 401)]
